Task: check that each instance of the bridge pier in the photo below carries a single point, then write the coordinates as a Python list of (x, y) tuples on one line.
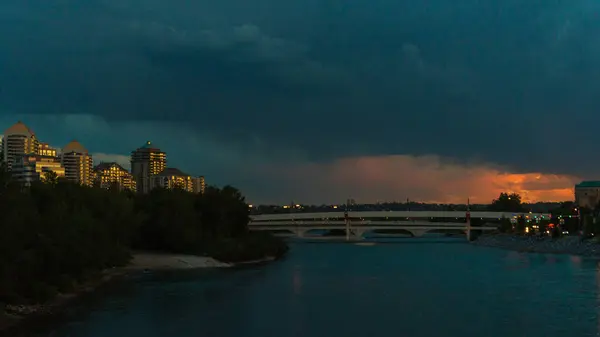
[(468, 216), (418, 232), (358, 233), (301, 232)]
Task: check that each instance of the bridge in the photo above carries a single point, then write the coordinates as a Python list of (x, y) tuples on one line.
[(358, 229), (356, 224), (399, 215)]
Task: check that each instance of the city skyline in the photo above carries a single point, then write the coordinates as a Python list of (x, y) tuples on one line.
[(28, 158), (320, 102), (482, 183), (75, 146)]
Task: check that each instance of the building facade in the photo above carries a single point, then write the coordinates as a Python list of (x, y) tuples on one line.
[(78, 164), (198, 185), (146, 163), (587, 194), (18, 141), (107, 175), (45, 149), (33, 167), (172, 178)]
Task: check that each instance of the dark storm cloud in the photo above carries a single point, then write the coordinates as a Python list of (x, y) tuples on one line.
[(508, 82)]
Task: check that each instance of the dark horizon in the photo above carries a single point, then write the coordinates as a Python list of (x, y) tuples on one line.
[(438, 101)]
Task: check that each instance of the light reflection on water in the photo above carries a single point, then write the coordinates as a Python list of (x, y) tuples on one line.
[(328, 289)]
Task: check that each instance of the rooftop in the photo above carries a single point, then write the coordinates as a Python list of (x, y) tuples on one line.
[(149, 147), (74, 146), (108, 165), (171, 171), (19, 129), (589, 183)]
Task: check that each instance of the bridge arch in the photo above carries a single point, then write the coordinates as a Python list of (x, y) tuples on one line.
[(413, 232)]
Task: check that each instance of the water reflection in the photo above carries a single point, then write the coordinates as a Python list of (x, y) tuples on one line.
[(345, 290), (598, 298), (297, 281)]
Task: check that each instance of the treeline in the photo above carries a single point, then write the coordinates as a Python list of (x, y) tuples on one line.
[(56, 234), (565, 217)]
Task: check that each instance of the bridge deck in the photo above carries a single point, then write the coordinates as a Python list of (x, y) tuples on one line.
[(370, 227), (393, 214), (365, 223)]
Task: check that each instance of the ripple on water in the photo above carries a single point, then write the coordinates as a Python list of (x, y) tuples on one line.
[(408, 290)]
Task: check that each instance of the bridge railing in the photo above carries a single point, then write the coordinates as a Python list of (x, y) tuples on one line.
[(393, 214), (365, 223)]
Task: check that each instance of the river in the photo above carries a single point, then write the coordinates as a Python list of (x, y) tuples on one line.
[(411, 288)]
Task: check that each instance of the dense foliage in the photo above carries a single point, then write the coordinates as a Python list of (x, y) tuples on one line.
[(507, 203), (566, 217), (56, 234)]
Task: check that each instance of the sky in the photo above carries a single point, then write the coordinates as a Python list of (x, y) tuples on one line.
[(319, 101)]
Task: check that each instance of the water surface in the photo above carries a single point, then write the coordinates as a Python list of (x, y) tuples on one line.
[(416, 288)]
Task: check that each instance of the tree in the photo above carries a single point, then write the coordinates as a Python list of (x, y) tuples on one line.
[(2, 163), (58, 233), (567, 211), (521, 223), (5, 176), (50, 177), (507, 203), (505, 225)]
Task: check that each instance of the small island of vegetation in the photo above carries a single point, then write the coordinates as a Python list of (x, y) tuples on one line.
[(58, 235)]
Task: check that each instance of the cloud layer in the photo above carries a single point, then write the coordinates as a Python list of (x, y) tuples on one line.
[(232, 89), (422, 179)]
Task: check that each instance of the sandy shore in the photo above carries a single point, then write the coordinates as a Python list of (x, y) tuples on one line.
[(156, 261), (13, 316)]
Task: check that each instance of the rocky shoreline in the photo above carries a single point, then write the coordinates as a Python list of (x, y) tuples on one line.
[(572, 245), (13, 317)]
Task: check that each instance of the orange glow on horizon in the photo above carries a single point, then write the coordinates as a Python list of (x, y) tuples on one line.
[(421, 179)]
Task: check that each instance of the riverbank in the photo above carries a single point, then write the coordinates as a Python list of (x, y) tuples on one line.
[(159, 261), (13, 317), (572, 245)]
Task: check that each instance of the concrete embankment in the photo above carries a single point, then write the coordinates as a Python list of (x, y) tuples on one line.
[(565, 245)]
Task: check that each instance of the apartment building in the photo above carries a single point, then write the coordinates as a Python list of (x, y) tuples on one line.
[(108, 175), (33, 167), (587, 194), (46, 150), (18, 140), (198, 185), (146, 163), (78, 163), (173, 178)]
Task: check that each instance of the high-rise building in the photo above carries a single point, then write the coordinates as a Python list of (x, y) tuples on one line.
[(78, 163), (173, 178), (198, 185), (46, 150), (18, 141), (587, 194), (32, 167), (1, 150), (112, 174), (147, 162)]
